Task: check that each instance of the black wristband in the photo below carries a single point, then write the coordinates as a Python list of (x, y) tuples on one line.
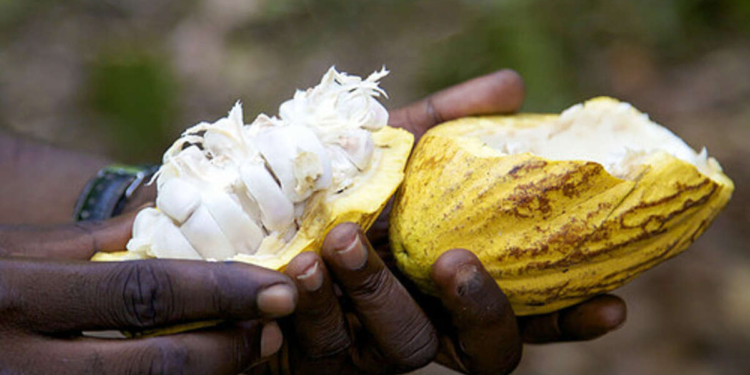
[(105, 195)]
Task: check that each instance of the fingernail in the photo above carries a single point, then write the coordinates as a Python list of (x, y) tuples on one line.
[(617, 326), (271, 339), (276, 300), (354, 255), (312, 278), (468, 280), (615, 322)]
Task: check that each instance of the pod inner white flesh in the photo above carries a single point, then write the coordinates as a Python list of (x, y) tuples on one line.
[(228, 188), (602, 130)]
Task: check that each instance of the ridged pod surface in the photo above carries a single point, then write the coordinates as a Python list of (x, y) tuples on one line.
[(551, 233)]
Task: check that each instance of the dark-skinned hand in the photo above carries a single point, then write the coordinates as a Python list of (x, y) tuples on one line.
[(354, 315), (49, 294), (357, 315)]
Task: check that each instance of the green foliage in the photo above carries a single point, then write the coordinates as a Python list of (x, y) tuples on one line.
[(507, 36), (11, 12), (134, 94), (555, 44), (566, 50)]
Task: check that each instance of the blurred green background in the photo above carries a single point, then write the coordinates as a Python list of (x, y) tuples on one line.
[(124, 78)]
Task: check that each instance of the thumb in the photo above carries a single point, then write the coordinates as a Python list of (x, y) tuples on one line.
[(485, 337), (79, 240)]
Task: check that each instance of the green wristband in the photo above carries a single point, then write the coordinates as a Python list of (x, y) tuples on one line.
[(105, 195)]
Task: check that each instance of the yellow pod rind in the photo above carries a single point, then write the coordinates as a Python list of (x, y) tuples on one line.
[(551, 233)]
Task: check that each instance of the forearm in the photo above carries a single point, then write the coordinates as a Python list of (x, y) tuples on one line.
[(40, 183)]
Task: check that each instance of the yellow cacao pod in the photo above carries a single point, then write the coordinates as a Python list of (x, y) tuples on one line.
[(263, 192), (553, 226)]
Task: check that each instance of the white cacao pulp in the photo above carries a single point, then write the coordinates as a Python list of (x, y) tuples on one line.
[(618, 137), (230, 188)]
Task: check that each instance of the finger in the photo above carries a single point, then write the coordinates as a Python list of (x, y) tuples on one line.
[(80, 240), (486, 335), (144, 196), (137, 295), (227, 349), (498, 92), (584, 321), (397, 326), (319, 323)]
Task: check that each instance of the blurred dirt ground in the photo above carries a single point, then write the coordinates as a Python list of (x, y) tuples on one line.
[(124, 78)]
